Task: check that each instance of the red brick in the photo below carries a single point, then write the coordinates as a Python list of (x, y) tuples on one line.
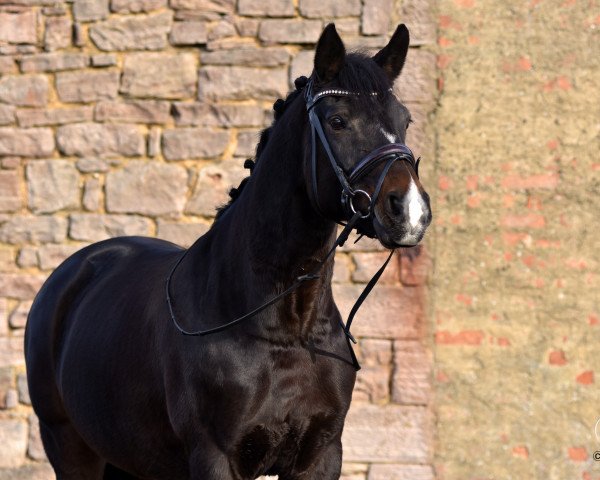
[(530, 220), (585, 378), (557, 357), (578, 454), (388, 312), (520, 451), (465, 337), (542, 181)]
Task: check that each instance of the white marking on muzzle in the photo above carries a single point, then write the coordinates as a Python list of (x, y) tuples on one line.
[(390, 136), (415, 207)]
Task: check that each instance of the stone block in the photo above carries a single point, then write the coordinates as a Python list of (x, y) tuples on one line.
[(421, 19), (220, 115), (220, 30), (395, 434), (373, 380), (367, 264), (51, 256), (87, 139), (20, 286), (104, 60), (24, 90), (153, 144), (87, 86), (186, 143), (3, 318), (11, 352), (13, 438), (39, 471), (290, 31), (147, 188), (7, 114), (26, 142), (416, 83), (33, 229), (210, 191), (92, 193), (27, 257), (88, 10), (18, 319), (302, 64), (272, 8), (91, 227), (159, 75), (188, 33), (248, 56), (22, 386), (58, 33), (379, 471), (140, 32), (53, 62), (388, 312), (53, 185), (376, 16), (18, 26), (7, 65), (247, 27), (183, 234), (42, 117), (415, 266), (231, 83), (210, 6), (136, 6), (330, 8), (92, 164), (411, 383), (6, 380), (10, 191), (246, 143), (35, 448), (141, 111)]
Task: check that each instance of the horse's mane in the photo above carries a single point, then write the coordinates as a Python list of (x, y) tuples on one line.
[(360, 74)]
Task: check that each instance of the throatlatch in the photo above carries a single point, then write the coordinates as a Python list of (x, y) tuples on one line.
[(389, 154)]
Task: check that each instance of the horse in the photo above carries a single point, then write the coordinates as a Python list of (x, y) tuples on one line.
[(121, 393)]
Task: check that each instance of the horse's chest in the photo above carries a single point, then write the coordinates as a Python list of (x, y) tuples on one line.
[(301, 414)]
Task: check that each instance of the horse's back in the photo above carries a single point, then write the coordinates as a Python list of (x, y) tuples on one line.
[(63, 312)]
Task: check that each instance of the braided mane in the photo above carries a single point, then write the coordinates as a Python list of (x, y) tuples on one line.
[(279, 108)]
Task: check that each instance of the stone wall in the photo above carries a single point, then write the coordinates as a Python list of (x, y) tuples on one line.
[(133, 117), (516, 303)]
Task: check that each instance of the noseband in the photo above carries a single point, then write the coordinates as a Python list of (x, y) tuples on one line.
[(388, 153)]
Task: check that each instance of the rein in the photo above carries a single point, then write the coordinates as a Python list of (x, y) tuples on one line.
[(387, 153)]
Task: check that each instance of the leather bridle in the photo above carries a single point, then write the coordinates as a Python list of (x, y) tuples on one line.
[(388, 154)]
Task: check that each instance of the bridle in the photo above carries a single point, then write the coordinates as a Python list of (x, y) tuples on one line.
[(389, 154)]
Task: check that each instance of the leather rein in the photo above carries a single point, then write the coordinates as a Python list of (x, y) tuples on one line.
[(389, 153)]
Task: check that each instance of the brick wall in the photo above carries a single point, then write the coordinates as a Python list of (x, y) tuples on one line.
[(133, 117), (516, 282)]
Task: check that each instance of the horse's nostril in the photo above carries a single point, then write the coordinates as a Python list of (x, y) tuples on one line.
[(395, 204)]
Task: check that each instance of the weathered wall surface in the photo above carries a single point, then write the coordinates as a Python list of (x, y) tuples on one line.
[(516, 303), (133, 117)]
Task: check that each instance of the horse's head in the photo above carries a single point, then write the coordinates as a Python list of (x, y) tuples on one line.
[(358, 129)]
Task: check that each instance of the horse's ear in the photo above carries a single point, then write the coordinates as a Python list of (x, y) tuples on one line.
[(391, 57), (329, 55)]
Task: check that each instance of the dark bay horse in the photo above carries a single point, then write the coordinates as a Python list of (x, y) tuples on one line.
[(120, 393)]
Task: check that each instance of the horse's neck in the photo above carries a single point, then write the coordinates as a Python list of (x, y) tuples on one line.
[(269, 236)]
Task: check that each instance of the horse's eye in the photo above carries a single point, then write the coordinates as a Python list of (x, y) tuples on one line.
[(336, 122)]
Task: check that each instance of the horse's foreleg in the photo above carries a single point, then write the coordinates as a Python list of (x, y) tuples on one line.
[(68, 454), (207, 462), (326, 466)]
